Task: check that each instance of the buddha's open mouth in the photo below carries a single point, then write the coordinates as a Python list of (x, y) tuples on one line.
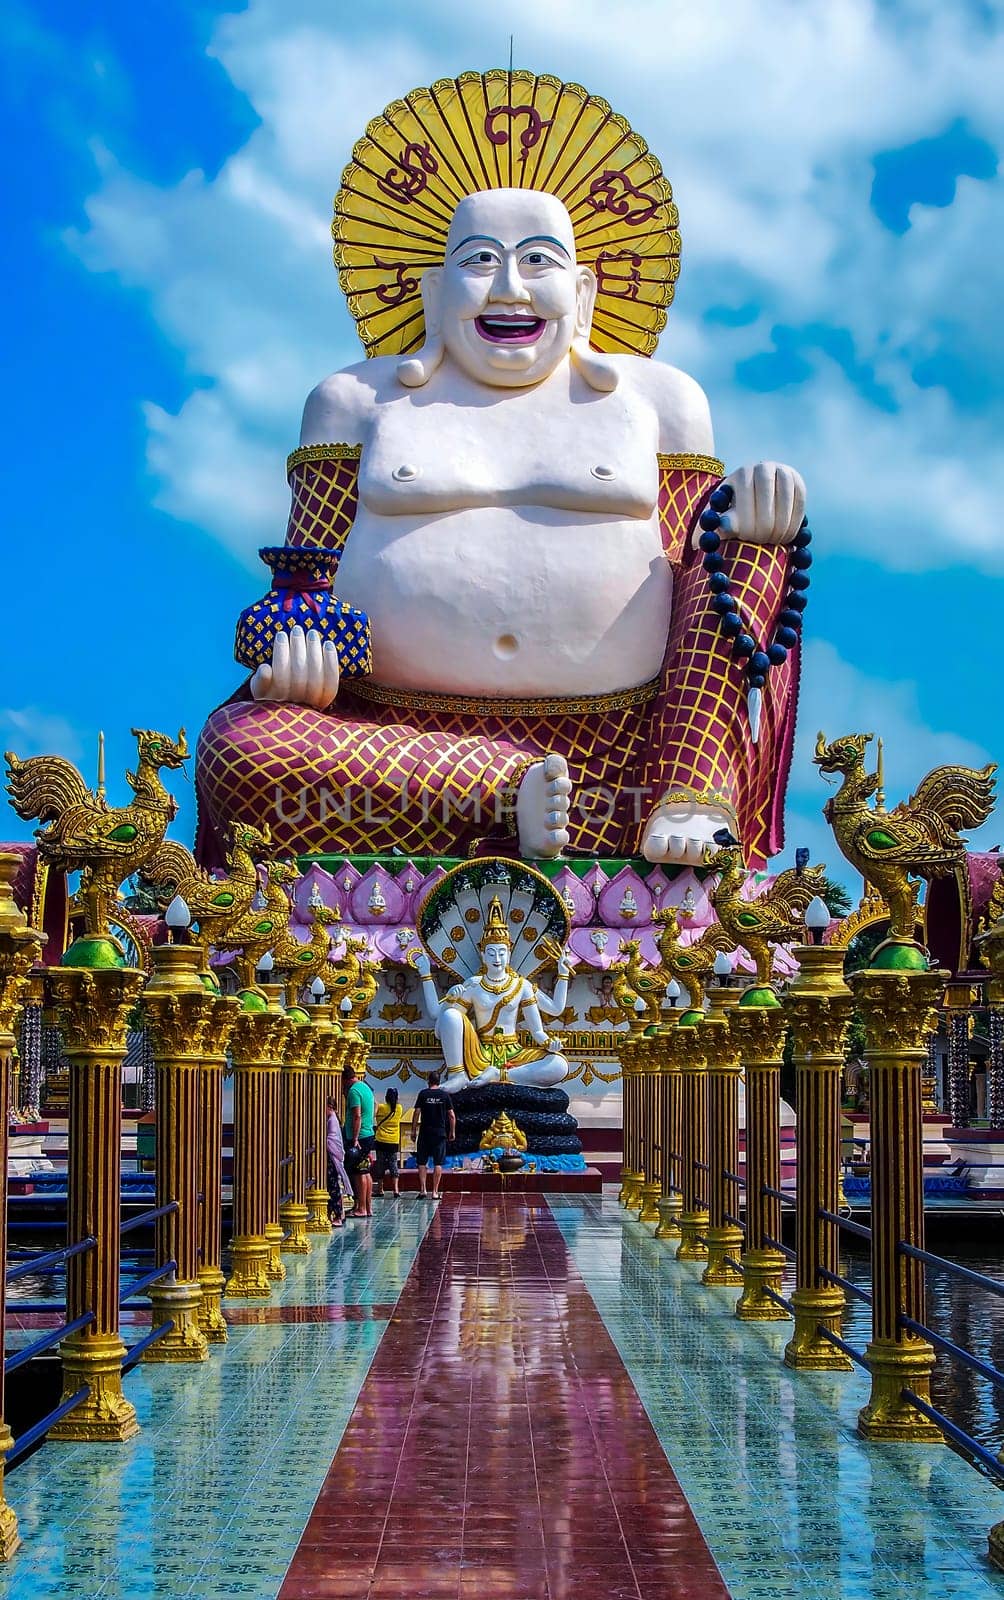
[(516, 329)]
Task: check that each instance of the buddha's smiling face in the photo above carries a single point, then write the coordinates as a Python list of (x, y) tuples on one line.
[(510, 298)]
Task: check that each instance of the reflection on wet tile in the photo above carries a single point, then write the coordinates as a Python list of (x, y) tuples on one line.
[(522, 1463), (212, 1497), (791, 1501)]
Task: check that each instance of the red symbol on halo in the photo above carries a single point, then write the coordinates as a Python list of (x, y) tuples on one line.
[(529, 136), (416, 164), (392, 294), (614, 191), (618, 283)]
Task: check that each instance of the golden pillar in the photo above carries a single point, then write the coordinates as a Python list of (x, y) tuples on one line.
[(819, 1003), (91, 1004), (324, 1049), (177, 1009), (256, 1048), (694, 1153), (293, 1211), (724, 1237), (671, 1130), (649, 1056), (223, 1014), (898, 1005), (19, 950), (759, 1029), (276, 1174), (629, 1193)]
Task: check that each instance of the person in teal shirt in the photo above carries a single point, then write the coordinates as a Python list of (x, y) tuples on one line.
[(360, 1137)]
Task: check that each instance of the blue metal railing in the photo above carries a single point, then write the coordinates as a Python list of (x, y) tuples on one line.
[(39, 1346), (130, 1290), (985, 1369), (145, 1217), (39, 1429), (52, 1259)]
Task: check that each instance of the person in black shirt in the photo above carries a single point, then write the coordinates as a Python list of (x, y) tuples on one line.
[(432, 1123)]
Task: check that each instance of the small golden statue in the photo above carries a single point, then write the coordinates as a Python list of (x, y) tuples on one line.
[(692, 965), (82, 833), (918, 839), (776, 917), (503, 1134)]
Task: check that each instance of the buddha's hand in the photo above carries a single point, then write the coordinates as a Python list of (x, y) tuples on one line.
[(421, 963), (768, 504), (303, 670), (681, 831)]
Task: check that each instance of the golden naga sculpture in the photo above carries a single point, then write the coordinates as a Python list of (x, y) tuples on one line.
[(918, 839), (692, 965), (256, 932), (503, 1134), (776, 917), (82, 833), (354, 977), (302, 962), (633, 979), (213, 902)]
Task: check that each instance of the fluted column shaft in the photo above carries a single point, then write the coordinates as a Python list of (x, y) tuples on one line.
[(651, 1081), (91, 1007), (256, 1046), (819, 1004), (324, 1048), (694, 1152), (670, 1132), (759, 1032), (632, 1171), (724, 1238), (177, 1009), (210, 1166), (899, 1012), (293, 1210)]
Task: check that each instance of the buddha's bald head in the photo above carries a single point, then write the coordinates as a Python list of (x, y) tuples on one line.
[(510, 298)]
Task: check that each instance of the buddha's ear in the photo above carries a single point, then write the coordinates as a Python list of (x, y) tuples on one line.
[(585, 300), (416, 370), (432, 300)]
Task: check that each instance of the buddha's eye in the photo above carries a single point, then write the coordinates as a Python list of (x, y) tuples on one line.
[(481, 258)]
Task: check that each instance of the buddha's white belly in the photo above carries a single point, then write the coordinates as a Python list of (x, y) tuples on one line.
[(503, 600)]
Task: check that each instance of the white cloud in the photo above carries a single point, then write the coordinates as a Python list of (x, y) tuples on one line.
[(29, 731)]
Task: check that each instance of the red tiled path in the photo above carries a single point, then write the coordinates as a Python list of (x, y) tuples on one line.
[(498, 1448)]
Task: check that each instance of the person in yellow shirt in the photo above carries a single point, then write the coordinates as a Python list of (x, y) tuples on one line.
[(387, 1124)]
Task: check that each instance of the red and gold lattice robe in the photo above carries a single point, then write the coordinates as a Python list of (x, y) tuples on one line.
[(430, 774)]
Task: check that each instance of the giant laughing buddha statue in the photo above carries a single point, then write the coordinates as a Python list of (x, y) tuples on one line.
[(580, 633)]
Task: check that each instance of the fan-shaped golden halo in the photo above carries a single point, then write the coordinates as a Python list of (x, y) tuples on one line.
[(503, 129)]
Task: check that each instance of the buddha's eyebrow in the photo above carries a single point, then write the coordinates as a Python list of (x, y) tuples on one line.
[(474, 238), (544, 238)]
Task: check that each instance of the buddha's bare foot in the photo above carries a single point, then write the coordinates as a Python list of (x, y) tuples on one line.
[(682, 833), (542, 807)]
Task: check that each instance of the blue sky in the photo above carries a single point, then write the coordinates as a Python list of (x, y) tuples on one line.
[(171, 301)]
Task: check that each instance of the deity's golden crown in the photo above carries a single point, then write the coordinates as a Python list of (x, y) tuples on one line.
[(495, 130), (496, 927)]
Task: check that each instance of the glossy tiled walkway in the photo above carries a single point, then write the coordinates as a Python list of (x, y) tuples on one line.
[(498, 1447), (481, 1414), (212, 1497), (794, 1505)]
